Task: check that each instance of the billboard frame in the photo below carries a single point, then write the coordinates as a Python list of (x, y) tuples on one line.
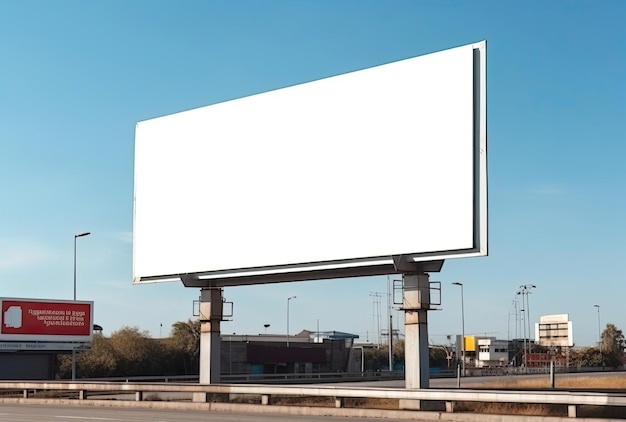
[(357, 266)]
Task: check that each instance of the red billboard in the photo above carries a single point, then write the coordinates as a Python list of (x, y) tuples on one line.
[(45, 320)]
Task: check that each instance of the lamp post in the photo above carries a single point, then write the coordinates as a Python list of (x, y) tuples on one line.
[(523, 323), (599, 332), (456, 283), (525, 291), (528, 287), (76, 236), (288, 299)]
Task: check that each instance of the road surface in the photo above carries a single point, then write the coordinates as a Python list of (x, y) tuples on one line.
[(30, 413)]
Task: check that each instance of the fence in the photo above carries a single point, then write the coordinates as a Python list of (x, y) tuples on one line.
[(291, 378)]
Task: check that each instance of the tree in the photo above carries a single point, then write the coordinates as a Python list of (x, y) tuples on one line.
[(136, 352), (99, 361), (184, 345), (398, 351), (612, 346), (590, 356), (375, 358), (438, 357), (609, 353)]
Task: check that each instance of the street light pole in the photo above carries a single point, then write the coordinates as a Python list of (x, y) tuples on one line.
[(599, 332), (525, 291), (456, 283), (76, 236), (288, 299)]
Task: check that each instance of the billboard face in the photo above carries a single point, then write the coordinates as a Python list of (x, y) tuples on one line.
[(45, 320), (341, 172)]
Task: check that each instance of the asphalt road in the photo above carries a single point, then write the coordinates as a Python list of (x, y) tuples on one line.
[(25, 413)]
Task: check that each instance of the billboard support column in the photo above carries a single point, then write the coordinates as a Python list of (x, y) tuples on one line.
[(211, 314), (416, 303)]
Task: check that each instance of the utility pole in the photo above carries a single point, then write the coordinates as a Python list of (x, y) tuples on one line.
[(525, 291), (456, 283), (376, 314)]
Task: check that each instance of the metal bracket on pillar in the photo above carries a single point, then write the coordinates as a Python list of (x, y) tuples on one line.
[(228, 309), (191, 280), (405, 264), (212, 310)]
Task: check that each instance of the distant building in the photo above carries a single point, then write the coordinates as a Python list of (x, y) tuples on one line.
[(554, 331), (553, 340), (544, 360), (492, 352), (488, 352), (306, 352)]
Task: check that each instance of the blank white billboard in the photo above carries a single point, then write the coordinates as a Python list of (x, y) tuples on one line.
[(341, 172)]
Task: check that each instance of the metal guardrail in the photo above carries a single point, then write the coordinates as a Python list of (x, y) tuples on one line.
[(264, 393)]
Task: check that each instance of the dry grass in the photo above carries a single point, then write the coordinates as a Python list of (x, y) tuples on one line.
[(303, 401), (614, 382), (607, 383), (512, 409), (315, 401), (386, 404), (617, 382)]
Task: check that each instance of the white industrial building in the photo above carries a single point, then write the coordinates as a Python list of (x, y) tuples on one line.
[(492, 352)]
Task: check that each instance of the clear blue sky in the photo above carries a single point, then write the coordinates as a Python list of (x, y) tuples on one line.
[(75, 77)]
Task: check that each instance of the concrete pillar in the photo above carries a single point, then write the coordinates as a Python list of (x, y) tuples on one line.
[(416, 305), (211, 314)]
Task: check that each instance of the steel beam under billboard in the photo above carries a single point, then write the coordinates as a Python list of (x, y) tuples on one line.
[(331, 178), (29, 320)]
